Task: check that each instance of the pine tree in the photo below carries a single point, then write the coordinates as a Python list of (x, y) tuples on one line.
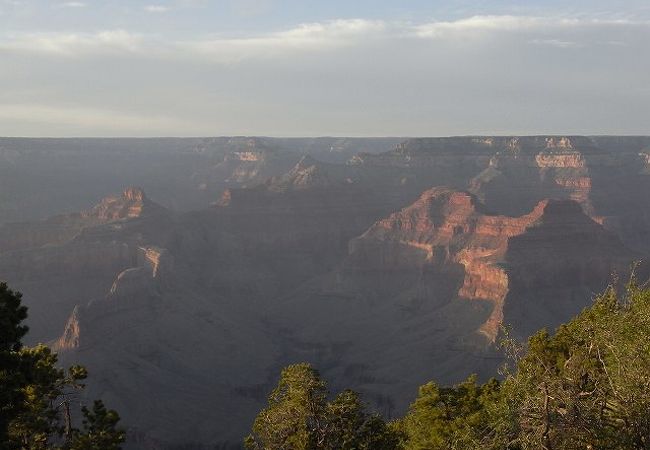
[(34, 406), (99, 430), (12, 314), (299, 417)]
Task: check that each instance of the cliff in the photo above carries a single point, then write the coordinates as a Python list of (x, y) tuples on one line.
[(132, 203), (447, 227), (368, 269), (133, 287)]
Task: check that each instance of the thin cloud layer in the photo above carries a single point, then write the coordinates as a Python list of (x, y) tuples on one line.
[(74, 44), (73, 5), (478, 74), (157, 8), (312, 36)]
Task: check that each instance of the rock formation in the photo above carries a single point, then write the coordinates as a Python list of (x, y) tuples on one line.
[(440, 278), (131, 204), (347, 253)]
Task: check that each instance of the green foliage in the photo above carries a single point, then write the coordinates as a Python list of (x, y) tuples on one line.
[(350, 427), (99, 430), (34, 393), (448, 418), (295, 417), (12, 314), (299, 417), (44, 392), (585, 387)]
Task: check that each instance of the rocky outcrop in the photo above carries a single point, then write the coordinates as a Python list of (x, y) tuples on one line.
[(157, 260), (564, 160), (69, 340), (69, 259), (132, 287), (424, 292), (307, 173), (447, 227), (310, 173), (55, 278), (561, 142), (365, 269), (131, 204)]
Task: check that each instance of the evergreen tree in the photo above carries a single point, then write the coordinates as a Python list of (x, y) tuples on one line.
[(448, 418), (99, 430), (299, 417), (587, 385), (34, 407), (296, 416), (12, 314), (584, 387), (350, 427)]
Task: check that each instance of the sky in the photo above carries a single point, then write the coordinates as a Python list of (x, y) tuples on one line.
[(323, 67)]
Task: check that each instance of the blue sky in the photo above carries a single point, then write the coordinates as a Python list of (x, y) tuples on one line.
[(296, 68)]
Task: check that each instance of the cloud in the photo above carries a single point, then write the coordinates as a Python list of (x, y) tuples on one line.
[(73, 5), (73, 44), (480, 74), (556, 43), (476, 23), (317, 36), (509, 23), (157, 8), (303, 38)]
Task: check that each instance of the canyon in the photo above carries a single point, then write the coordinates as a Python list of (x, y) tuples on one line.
[(184, 273)]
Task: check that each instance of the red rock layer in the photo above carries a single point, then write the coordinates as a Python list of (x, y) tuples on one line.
[(131, 204), (448, 227)]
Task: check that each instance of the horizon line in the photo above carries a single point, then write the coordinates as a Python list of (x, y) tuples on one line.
[(333, 136)]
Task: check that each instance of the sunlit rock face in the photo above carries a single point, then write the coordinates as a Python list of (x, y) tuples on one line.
[(446, 227), (440, 278), (384, 263), (131, 204), (150, 273), (157, 259), (72, 258), (573, 160)]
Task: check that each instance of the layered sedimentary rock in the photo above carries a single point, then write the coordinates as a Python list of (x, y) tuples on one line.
[(130, 204), (43, 177), (440, 278), (368, 269), (150, 267), (524, 171), (70, 259), (446, 227), (157, 343)]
